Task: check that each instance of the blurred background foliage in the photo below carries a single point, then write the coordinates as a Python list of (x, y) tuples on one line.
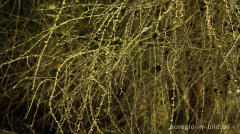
[(119, 66)]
